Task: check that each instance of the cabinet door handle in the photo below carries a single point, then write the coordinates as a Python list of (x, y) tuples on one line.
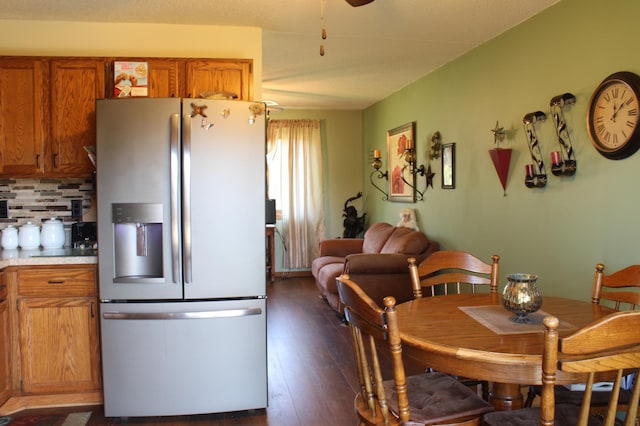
[(55, 161), (56, 281), (37, 161)]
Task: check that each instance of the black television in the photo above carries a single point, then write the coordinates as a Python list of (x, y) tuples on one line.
[(270, 210)]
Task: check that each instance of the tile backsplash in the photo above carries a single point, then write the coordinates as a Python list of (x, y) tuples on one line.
[(36, 200)]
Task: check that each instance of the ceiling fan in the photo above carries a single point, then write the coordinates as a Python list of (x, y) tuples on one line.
[(356, 3)]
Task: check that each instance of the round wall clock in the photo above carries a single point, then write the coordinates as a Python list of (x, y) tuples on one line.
[(612, 117)]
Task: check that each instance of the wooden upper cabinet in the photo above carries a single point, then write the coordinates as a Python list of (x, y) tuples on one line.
[(22, 117), (212, 75), (47, 104), (76, 83), (166, 78)]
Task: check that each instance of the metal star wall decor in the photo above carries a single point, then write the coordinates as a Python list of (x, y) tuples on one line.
[(498, 134), (430, 176)]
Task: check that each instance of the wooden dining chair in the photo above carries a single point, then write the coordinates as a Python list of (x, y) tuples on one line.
[(620, 288), (455, 272), (607, 348), (393, 398), (451, 271), (621, 291)]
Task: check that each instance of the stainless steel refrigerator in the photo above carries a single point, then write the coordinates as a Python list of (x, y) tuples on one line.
[(181, 237)]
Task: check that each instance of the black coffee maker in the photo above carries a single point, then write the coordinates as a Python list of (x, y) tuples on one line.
[(84, 235)]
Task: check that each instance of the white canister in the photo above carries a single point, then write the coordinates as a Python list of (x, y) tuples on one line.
[(9, 240), (29, 236), (52, 235)]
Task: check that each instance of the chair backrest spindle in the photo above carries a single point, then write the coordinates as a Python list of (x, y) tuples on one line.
[(456, 268)]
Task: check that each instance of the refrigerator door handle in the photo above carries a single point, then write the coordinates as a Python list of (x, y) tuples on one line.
[(175, 196), (186, 198), (228, 313)]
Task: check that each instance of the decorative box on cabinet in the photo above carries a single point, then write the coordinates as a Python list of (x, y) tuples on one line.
[(5, 342), (23, 127), (58, 323), (165, 76)]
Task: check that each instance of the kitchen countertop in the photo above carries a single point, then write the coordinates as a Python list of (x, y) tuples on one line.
[(63, 256)]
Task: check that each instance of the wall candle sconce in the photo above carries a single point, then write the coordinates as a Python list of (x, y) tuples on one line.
[(563, 162), (536, 176), (377, 164), (409, 156)]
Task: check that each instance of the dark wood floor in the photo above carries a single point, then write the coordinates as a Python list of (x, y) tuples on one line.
[(312, 378)]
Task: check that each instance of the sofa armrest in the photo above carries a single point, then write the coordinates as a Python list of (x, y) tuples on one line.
[(377, 263), (341, 247)]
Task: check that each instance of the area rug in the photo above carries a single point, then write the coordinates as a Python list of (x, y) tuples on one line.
[(73, 419)]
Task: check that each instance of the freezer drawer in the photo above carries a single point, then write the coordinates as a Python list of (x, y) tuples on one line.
[(184, 357)]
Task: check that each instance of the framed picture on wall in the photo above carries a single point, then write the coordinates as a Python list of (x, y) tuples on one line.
[(401, 181), (449, 166)]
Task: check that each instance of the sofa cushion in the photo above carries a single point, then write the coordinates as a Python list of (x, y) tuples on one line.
[(328, 275), (406, 241), (320, 262), (376, 236)]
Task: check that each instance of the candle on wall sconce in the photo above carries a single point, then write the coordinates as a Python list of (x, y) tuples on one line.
[(566, 164), (409, 144), (377, 164), (529, 170), (536, 175), (555, 157)]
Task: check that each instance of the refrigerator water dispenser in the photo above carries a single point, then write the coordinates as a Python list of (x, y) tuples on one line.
[(137, 239)]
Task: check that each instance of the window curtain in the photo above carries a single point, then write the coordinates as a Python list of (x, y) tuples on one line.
[(294, 164)]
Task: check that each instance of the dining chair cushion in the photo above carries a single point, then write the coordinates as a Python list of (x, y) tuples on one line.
[(565, 415), (598, 399), (435, 397)]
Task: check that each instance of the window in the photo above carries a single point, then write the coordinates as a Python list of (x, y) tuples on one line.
[(295, 181)]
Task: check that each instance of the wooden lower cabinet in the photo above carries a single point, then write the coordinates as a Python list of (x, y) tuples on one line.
[(59, 342), (55, 337), (58, 345), (5, 353)]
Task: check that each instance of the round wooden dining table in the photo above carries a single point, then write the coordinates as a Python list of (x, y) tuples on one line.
[(471, 335)]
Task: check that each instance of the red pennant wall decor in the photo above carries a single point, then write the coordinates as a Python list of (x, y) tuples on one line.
[(501, 158)]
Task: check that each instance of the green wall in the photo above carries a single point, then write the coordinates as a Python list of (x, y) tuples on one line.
[(561, 231)]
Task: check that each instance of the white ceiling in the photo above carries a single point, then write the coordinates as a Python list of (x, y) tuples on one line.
[(371, 51)]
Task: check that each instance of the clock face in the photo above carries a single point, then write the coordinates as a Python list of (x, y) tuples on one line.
[(613, 116)]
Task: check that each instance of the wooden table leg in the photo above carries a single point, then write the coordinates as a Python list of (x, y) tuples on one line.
[(506, 396)]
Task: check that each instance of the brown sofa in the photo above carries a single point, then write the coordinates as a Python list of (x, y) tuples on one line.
[(377, 262)]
